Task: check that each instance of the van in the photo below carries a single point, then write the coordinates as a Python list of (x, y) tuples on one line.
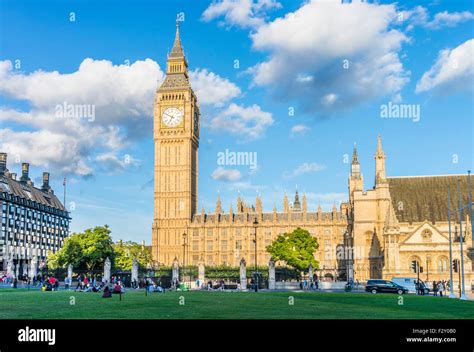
[(407, 282)]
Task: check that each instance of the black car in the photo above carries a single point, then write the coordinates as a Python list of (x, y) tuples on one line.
[(376, 286)]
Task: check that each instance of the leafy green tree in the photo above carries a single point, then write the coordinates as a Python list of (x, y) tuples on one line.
[(126, 251), (296, 249), (87, 250)]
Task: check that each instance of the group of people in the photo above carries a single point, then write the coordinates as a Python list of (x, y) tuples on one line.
[(152, 286), (311, 284), (437, 287)]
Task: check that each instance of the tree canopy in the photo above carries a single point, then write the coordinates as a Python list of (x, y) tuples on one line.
[(126, 251), (296, 249), (87, 250)]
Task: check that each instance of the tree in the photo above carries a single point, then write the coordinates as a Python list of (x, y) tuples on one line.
[(126, 251), (296, 249), (87, 250)]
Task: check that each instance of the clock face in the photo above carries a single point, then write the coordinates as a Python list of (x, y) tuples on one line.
[(172, 117)]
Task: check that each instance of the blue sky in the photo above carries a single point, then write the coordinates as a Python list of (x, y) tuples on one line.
[(290, 56)]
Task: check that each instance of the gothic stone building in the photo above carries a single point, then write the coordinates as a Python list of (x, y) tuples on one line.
[(376, 234), (33, 221)]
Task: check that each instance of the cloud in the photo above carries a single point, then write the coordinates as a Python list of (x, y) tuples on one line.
[(249, 122), (299, 129), (82, 121), (452, 71), (228, 175), (306, 168), (341, 55), (446, 19), (419, 16), (110, 162), (211, 89), (241, 13)]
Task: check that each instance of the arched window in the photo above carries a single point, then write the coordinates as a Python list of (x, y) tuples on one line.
[(443, 264)]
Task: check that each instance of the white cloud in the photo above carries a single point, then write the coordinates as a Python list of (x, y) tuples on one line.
[(306, 168), (300, 128), (419, 16), (119, 96), (110, 162), (249, 122), (321, 39), (229, 175), (452, 71), (211, 89), (242, 13), (446, 19)]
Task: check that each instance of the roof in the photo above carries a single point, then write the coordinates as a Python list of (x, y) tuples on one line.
[(29, 192), (420, 198)]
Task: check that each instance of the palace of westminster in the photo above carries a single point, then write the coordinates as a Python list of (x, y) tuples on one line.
[(377, 233), (386, 228)]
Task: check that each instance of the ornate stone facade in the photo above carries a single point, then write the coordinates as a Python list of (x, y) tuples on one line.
[(371, 228)]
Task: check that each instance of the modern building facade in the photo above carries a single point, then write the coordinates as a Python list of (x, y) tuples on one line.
[(34, 221), (377, 233)]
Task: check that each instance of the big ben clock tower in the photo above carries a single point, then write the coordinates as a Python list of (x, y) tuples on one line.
[(176, 137)]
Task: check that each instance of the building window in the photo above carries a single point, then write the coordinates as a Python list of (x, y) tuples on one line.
[(209, 232), (238, 232), (209, 245), (443, 264), (223, 245), (210, 260), (195, 245), (238, 245)]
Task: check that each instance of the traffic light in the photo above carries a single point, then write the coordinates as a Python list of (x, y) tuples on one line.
[(421, 269), (455, 265), (414, 266)]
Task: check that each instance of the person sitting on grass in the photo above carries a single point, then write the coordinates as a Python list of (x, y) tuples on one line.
[(107, 293)]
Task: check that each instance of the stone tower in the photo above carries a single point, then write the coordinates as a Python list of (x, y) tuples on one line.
[(176, 141)]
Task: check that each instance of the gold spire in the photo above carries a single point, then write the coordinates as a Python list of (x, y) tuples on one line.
[(177, 50)]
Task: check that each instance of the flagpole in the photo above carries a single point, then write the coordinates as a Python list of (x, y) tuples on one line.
[(451, 284)]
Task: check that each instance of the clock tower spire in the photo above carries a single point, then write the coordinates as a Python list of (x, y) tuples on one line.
[(176, 140)]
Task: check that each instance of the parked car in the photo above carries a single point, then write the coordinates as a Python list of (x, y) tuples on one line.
[(384, 286)]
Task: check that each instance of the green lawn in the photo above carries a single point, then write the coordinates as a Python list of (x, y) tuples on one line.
[(23, 304)]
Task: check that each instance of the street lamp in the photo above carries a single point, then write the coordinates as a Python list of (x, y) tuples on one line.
[(255, 224), (185, 237)]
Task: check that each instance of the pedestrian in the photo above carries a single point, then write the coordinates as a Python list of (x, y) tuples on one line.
[(435, 288)]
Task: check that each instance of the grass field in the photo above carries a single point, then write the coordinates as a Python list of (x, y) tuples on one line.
[(23, 304)]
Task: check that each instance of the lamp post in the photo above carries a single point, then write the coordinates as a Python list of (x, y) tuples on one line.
[(451, 287), (461, 240), (185, 237), (255, 224)]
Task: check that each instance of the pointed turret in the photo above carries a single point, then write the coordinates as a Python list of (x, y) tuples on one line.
[(218, 204), (355, 166), (296, 203), (177, 50), (379, 163), (239, 204), (286, 205), (305, 203), (320, 211), (258, 204)]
